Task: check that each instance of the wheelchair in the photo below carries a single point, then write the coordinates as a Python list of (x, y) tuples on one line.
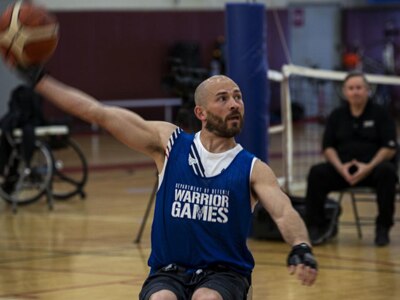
[(57, 169)]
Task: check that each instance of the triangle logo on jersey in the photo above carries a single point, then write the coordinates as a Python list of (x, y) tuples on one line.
[(192, 160)]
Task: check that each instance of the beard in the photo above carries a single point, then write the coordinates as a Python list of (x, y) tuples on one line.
[(219, 126)]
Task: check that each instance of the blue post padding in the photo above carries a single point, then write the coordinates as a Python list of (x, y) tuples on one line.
[(247, 66)]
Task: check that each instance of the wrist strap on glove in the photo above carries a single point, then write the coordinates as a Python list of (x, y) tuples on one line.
[(302, 254), (31, 74)]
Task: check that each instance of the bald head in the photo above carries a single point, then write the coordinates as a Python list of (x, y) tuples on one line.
[(207, 88)]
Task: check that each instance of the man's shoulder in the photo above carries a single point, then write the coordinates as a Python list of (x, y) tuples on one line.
[(378, 107), (179, 136), (247, 152), (338, 112), (379, 111), (340, 109)]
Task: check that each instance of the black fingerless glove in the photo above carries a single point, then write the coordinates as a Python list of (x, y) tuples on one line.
[(31, 74), (302, 254)]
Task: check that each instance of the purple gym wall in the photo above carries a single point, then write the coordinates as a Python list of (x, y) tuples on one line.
[(365, 27)]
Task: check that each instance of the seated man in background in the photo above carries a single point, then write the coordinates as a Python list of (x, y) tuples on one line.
[(359, 144)]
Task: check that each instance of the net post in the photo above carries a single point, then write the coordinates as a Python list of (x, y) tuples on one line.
[(287, 145)]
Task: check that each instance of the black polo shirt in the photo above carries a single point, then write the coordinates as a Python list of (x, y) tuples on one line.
[(359, 137)]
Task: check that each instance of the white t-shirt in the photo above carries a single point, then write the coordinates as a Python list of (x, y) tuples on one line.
[(214, 163)]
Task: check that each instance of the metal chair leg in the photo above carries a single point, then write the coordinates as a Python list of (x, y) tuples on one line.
[(14, 207), (356, 215), (146, 213), (340, 198), (49, 196)]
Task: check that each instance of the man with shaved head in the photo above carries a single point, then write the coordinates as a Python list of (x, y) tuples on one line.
[(208, 187)]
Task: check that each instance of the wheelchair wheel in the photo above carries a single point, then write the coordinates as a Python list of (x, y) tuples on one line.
[(70, 171), (20, 185)]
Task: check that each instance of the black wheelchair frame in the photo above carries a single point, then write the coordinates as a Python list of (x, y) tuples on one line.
[(49, 172)]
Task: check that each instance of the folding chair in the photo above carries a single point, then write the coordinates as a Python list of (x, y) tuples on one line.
[(363, 194)]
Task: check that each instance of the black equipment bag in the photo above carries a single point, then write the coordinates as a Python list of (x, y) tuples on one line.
[(265, 228)]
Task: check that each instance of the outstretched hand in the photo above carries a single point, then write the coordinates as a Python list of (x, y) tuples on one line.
[(31, 74), (302, 262)]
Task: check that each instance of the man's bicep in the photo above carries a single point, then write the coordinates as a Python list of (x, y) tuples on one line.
[(135, 132), (328, 138), (165, 131)]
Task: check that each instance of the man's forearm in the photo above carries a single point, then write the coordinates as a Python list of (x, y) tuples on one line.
[(68, 99), (292, 228), (333, 158), (383, 154)]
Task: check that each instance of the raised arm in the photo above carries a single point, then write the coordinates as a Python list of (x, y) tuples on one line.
[(148, 137), (267, 190)]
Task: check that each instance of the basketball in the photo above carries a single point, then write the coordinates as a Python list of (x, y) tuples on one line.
[(28, 34)]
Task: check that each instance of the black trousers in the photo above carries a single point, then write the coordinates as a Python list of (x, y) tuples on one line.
[(323, 179)]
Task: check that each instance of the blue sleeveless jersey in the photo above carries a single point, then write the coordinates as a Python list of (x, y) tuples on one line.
[(202, 221)]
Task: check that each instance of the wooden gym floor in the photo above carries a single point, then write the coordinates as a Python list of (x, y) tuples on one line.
[(85, 250)]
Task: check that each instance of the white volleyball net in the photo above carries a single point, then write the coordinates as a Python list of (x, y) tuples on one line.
[(307, 97)]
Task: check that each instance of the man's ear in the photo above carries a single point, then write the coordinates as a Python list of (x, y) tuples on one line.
[(200, 113)]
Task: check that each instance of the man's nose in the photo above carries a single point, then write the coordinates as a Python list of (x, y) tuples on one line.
[(233, 104)]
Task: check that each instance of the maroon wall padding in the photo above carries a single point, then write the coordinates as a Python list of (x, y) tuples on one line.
[(123, 54)]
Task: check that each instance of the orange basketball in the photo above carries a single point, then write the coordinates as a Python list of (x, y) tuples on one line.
[(28, 34)]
